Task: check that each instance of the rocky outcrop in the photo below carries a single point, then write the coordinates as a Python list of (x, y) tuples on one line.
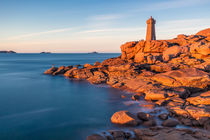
[(124, 118), (154, 133), (173, 74)]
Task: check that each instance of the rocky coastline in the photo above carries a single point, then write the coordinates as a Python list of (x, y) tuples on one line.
[(173, 74)]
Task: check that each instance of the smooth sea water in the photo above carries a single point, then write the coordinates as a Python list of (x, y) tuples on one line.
[(34, 106)]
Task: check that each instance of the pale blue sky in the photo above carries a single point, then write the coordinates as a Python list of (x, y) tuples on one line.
[(94, 25)]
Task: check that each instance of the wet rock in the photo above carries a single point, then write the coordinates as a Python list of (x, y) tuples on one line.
[(143, 116), (148, 105), (170, 123), (179, 111), (60, 70), (161, 102), (117, 134), (135, 97), (95, 137), (163, 116), (51, 70), (124, 118), (150, 123), (69, 73), (186, 121)]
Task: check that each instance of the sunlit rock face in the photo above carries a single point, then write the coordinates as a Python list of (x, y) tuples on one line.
[(173, 74)]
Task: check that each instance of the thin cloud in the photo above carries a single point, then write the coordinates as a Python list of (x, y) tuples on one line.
[(105, 17), (111, 30), (39, 33), (172, 4)]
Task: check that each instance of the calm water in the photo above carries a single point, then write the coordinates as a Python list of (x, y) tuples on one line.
[(34, 106)]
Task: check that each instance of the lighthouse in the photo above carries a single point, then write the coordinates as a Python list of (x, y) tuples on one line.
[(151, 29)]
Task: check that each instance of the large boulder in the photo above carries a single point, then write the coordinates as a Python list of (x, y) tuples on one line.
[(170, 123), (174, 51), (124, 118), (140, 57), (128, 50)]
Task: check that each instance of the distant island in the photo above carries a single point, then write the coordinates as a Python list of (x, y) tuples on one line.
[(93, 52), (45, 52), (7, 52)]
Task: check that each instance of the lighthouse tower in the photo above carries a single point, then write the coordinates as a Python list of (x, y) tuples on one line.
[(151, 29)]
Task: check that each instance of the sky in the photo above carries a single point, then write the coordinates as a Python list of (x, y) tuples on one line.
[(79, 26)]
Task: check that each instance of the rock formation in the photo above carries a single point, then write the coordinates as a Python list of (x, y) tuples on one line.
[(173, 74)]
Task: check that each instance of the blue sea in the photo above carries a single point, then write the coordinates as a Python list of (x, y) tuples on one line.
[(34, 106)]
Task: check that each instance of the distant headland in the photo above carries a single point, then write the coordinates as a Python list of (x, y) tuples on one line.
[(7, 52), (45, 52)]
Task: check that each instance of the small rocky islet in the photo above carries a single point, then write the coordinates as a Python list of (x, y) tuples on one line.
[(172, 74)]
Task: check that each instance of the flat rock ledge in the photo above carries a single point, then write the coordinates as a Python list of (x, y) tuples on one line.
[(153, 133)]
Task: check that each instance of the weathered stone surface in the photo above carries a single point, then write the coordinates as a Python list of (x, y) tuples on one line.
[(198, 112), (140, 57), (120, 67), (200, 100), (179, 111), (155, 95), (200, 48), (191, 77), (98, 78), (156, 46), (124, 118), (162, 67), (128, 50), (174, 51)]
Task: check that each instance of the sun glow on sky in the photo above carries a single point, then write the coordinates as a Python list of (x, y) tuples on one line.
[(67, 26)]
